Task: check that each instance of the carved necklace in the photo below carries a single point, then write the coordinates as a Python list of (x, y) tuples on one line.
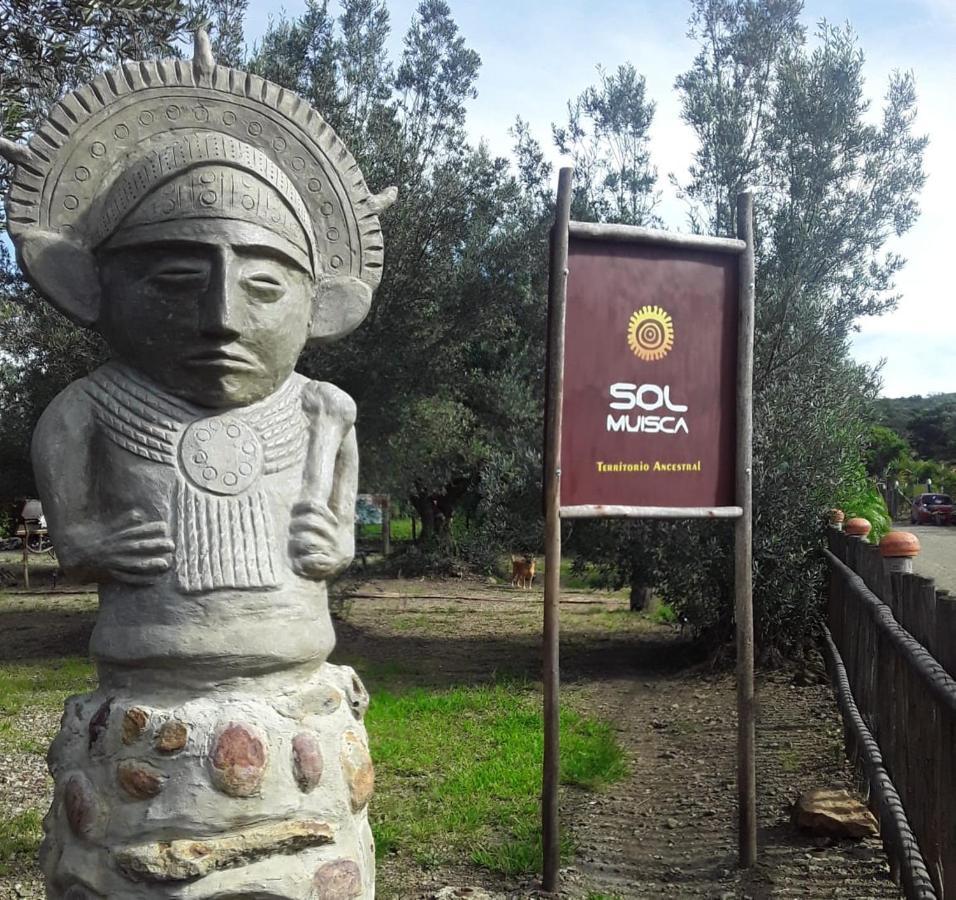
[(225, 535)]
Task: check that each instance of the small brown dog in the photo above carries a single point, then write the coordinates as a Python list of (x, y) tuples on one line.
[(522, 571)]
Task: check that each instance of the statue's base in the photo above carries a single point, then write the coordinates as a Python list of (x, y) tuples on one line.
[(226, 795)]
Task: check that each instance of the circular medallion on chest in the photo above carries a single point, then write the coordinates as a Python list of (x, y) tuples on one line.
[(221, 455)]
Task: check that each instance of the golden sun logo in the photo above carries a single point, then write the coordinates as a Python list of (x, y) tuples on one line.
[(650, 334)]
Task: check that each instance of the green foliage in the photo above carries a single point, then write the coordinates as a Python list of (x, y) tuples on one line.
[(664, 614), (446, 369), (898, 413), (475, 789), (607, 139), (884, 450), (834, 182), (47, 46), (437, 441), (932, 431), (224, 20), (926, 427), (859, 496)]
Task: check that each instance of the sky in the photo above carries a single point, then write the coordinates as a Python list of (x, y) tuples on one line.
[(536, 54)]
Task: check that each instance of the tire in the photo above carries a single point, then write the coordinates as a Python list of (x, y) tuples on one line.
[(39, 543)]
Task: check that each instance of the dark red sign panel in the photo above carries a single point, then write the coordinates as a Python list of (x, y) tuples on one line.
[(650, 376)]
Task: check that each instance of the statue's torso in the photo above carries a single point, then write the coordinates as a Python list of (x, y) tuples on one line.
[(225, 485)]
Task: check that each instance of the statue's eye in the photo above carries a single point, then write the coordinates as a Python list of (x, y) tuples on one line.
[(179, 276), (264, 286)]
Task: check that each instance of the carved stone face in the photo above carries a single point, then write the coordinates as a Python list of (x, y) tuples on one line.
[(215, 311)]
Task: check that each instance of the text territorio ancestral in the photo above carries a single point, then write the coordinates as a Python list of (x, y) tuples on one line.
[(656, 466), (648, 398)]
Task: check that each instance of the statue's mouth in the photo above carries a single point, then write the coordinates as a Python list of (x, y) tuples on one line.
[(229, 359)]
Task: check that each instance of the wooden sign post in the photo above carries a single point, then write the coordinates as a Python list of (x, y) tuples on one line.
[(648, 415)]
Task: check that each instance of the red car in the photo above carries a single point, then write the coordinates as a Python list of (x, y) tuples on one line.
[(932, 509)]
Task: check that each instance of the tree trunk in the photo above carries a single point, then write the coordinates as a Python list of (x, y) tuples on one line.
[(437, 510), (426, 512), (640, 597)]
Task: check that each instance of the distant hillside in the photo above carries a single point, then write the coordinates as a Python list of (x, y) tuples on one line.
[(928, 423)]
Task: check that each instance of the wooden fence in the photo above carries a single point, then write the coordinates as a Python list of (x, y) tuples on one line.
[(892, 643)]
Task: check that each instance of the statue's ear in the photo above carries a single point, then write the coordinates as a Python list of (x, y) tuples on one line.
[(341, 303), (64, 272)]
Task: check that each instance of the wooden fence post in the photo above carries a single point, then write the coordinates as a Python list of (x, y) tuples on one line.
[(946, 776), (386, 526), (557, 295), (743, 544)]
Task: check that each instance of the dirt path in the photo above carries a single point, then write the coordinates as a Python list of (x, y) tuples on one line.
[(668, 830)]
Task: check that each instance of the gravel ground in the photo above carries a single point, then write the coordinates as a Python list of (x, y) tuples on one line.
[(937, 557), (668, 830)]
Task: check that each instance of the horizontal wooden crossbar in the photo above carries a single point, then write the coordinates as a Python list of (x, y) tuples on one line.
[(651, 512), (599, 231)]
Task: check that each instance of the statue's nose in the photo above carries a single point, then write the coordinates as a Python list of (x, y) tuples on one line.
[(220, 311)]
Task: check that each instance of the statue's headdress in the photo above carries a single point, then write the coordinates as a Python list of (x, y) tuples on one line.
[(171, 139)]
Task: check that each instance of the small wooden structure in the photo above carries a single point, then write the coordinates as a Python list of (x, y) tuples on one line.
[(34, 535), (381, 503)]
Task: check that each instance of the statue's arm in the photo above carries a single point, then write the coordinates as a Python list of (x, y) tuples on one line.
[(61, 454), (322, 535), (90, 544), (344, 493)]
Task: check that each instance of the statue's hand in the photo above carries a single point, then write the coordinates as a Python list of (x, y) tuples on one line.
[(139, 552), (317, 544)]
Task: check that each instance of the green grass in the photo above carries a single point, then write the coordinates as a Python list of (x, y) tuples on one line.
[(459, 773), (605, 620), (401, 530), (20, 836), (664, 614), (44, 684), (38, 685)]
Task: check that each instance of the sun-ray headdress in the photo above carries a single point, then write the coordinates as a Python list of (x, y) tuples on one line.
[(145, 125)]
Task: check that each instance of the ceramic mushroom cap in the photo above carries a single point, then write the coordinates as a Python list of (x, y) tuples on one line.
[(859, 527), (899, 544)]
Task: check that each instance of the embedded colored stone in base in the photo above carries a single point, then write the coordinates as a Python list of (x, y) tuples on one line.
[(238, 761), (339, 880)]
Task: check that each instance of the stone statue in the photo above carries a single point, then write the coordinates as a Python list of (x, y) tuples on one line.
[(208, 224)]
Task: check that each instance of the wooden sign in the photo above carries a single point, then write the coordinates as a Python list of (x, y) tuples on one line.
[(648, 415), (650, 377)]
